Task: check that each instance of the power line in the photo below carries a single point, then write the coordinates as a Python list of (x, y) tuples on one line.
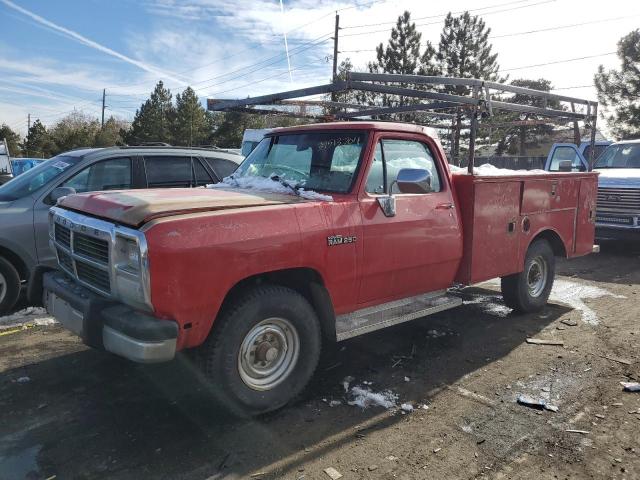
[(555, 62), (440, 21), (560, 27), (437, 15)]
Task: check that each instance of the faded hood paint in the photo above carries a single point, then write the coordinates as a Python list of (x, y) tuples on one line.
[(136, 207)]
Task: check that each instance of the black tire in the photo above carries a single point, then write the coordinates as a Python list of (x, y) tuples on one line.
[(516, 289), (9, 286), (220, 356)]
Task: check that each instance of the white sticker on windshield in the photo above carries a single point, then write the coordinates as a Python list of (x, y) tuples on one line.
[(60, 165)]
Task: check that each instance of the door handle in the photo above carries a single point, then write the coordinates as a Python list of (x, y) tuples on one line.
[(444, 206)]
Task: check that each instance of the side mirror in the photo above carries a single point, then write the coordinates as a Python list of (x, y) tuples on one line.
[(565, 166), (59, 192), (414, 180)]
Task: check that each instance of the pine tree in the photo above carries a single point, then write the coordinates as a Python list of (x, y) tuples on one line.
[(401, 55), (514, 139), (12, 138), (154, 121), (192, 125), (619, 90), (464, 51), (38, 142)]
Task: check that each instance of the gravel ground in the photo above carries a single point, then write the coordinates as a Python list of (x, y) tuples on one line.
[(73, 413)]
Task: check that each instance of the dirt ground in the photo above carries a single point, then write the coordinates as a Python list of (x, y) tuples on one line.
[(72, 413)]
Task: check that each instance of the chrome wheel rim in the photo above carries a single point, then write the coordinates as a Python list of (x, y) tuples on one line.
[(3, 287), (537, 276), (268, 354)]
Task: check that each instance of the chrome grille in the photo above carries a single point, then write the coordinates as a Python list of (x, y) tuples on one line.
[(625, 201), (93, 276), (63, 235), (91, 247)]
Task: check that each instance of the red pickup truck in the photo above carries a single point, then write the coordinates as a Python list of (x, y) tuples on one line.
[(325, 231)]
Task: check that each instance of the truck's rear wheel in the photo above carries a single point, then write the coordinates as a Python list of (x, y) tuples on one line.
[(528, 291), (263, 350), (9, 286)]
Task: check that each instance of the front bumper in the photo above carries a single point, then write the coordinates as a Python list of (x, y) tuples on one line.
[(608, 232), (108, 325)]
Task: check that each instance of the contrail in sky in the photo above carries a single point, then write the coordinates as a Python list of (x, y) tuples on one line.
[(286, 46), (90, 43)]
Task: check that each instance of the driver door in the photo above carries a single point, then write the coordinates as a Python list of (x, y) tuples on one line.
[(417, 250)]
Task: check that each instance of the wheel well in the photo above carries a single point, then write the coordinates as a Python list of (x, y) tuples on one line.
[(16, 261), (305, 281), (557, 245)]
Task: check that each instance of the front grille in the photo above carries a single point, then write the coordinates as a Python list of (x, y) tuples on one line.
[(63, 235), (91, 247), (618, 201), (65, 260), (93, 276)]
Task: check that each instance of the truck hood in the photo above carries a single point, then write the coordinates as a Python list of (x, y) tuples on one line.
[(619, 177), (136, 207)]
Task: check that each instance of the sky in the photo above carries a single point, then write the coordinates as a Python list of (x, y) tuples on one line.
[(58, 56)]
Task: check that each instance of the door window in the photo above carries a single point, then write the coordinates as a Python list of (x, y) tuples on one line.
[(391, 156), (201, 175), (222, 167), (113, 174), (168, 171), (561, 154)]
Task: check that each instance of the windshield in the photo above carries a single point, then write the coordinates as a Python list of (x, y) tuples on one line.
[(620, 156), (35, 178), (316, 161)]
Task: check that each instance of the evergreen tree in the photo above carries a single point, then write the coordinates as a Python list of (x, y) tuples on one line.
[(192, 125), (514, 139), (619, 90), (38, 142), (12, 138), (464, 51), (401, 55), (154, 121)]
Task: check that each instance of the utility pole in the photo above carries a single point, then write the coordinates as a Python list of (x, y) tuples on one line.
[(28, 122), (335, 54), (104, 94)]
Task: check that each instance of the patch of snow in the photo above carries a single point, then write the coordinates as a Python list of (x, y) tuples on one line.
[(466, 428), (269, 186), (364, 398), (23, 380), (574, 294), (489, 170), (335, 403), (406, 407), (407, 379), (345, 383), (28, 316)]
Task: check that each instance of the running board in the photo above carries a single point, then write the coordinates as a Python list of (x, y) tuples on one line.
[(392, 313)]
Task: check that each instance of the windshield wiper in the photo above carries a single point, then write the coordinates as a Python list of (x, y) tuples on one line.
[(295, 188)]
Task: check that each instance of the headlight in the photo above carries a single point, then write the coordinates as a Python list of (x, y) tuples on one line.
[(127, 255), (130, 262)]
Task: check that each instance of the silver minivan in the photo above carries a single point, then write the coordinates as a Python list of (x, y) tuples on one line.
[(25, 200)]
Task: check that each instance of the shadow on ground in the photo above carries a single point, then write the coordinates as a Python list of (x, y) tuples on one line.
[(88, 415), (606, 265)]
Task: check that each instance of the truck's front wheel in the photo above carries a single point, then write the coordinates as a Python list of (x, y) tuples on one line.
[(263, 350), (528, 291), (9, 286)]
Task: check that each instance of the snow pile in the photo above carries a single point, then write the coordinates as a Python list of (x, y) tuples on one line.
[(574, 294), (28, 316), (489, 170), (269, 186), (364, 397)]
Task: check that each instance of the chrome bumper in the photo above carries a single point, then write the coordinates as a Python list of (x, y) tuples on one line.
[(108, 325)]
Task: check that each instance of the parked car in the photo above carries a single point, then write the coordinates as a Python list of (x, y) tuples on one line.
[(618, 208), (578, 155), (325, 231), (25, 200)]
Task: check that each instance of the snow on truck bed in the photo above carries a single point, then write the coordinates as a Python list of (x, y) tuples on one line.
[(489, 170)]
